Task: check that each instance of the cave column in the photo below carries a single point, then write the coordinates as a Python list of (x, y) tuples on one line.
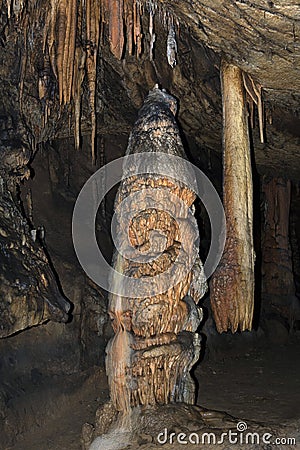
[(278, 287), (155, 343), (232, 286)]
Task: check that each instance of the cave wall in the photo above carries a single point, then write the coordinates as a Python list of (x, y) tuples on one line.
[(35, 362)]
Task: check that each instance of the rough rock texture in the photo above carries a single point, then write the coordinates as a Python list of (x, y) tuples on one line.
[(155, 344), (29, 291)]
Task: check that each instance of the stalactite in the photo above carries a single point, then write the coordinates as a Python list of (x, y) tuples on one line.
[(64, 17), (128, 18), (93, 30), (151, 29), (71, 50), (117, 365), (138, 36), (79, 71), (15, 8), (171, 47), (254, 95), (51, 24), (116, 28), (23, 62), (44, 86), (70, 45), (61, 31), (232, 285), (66, 55)]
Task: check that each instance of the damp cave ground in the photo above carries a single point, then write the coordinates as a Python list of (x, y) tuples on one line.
[(260, 383)]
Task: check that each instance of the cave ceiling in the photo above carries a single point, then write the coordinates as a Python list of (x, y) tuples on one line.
[(261, 37)]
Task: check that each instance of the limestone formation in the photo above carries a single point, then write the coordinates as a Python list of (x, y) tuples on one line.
[(232, 285), (155, 343)]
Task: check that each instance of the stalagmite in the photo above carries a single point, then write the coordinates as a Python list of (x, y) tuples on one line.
[(232, 285), (155, 343)]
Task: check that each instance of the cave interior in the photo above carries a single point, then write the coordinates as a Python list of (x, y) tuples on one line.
[(73, 77)]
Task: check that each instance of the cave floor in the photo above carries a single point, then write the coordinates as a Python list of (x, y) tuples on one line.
[(261, 384)]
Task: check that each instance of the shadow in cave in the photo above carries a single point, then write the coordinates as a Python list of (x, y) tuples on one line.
[(257, 224), (43, 245)]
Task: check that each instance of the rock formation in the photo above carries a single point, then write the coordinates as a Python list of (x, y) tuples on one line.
[(29, 291), (155, 343), (232, 285)]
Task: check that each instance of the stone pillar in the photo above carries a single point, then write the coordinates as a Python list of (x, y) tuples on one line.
[(155, 342), (232, 285)]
